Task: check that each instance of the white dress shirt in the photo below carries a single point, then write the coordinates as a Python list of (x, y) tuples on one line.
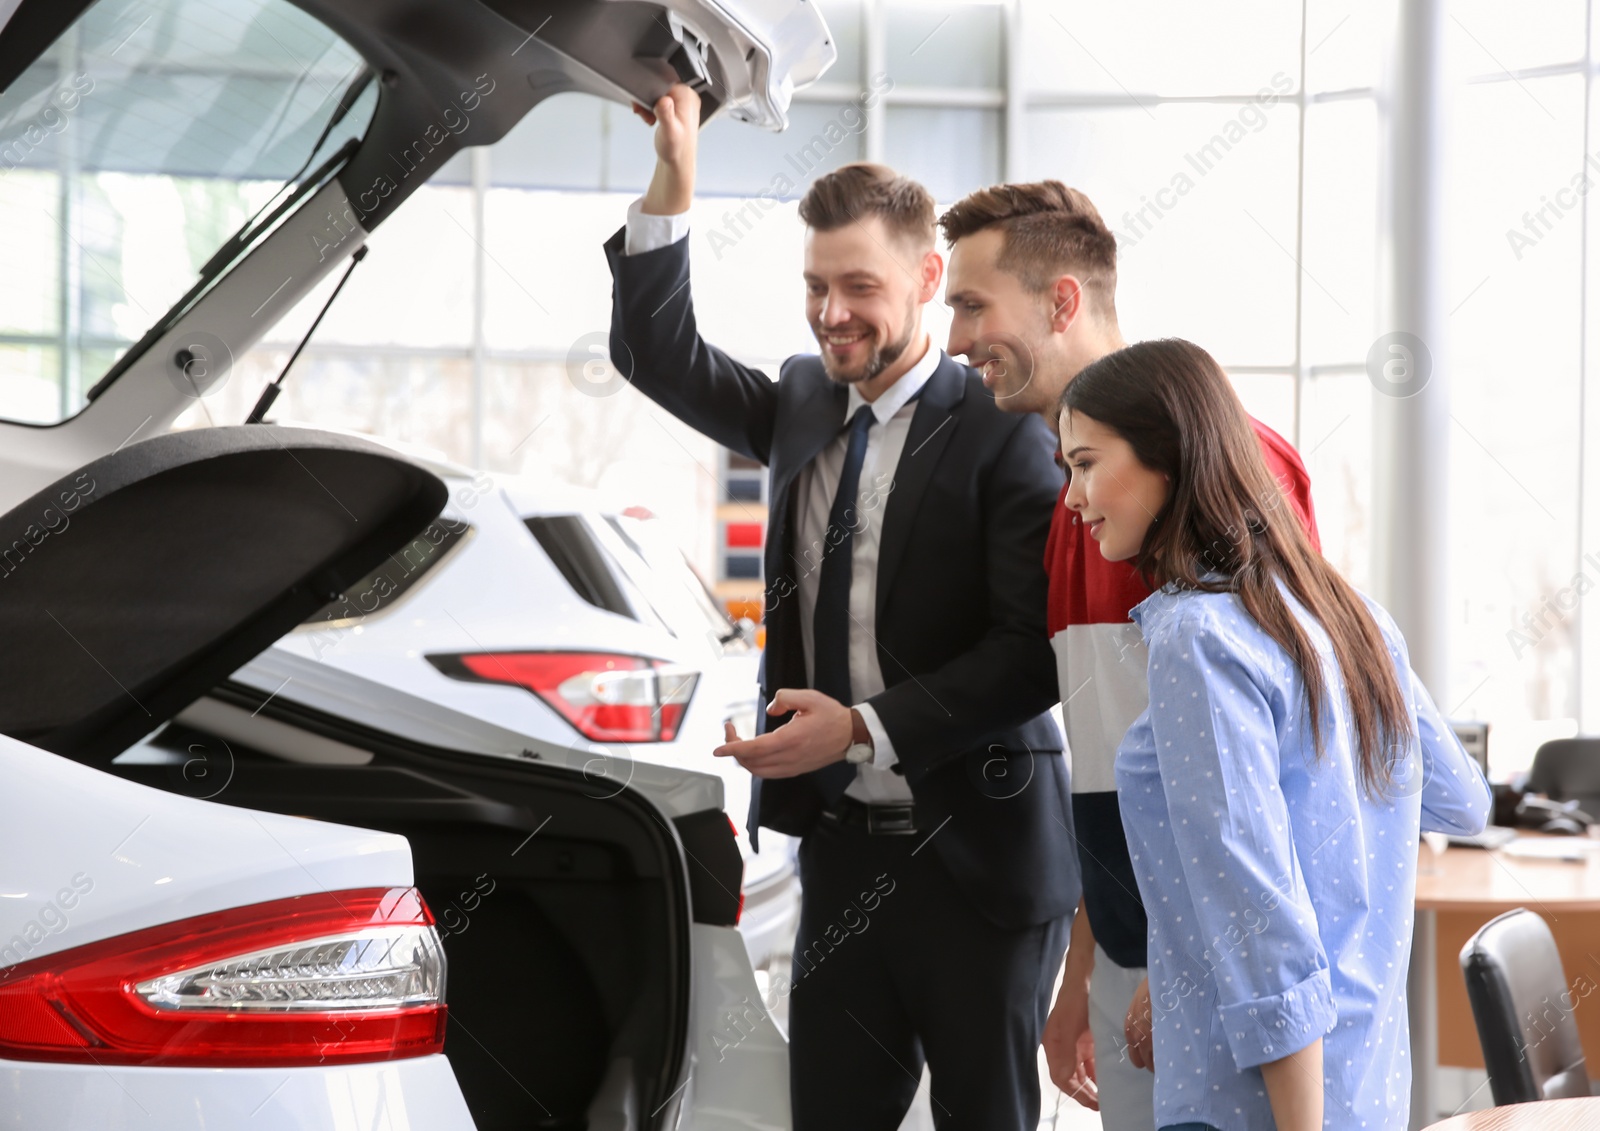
[(816, 486)]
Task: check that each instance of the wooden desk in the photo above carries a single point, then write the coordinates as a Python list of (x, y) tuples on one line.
[(1551, 1115), (1458, 892), (1470, 879)]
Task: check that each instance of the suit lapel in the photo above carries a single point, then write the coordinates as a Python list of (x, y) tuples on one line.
[(932, 425), (817, 421), (814, 422)]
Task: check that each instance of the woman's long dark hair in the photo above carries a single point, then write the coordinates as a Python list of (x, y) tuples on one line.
[(1226, 513)]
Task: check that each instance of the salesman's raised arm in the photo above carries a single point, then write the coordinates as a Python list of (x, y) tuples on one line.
[(655, 340)]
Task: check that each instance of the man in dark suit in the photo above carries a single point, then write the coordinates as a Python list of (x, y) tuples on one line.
[(906, 670)]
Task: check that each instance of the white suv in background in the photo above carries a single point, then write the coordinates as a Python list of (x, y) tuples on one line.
[(541, 609)]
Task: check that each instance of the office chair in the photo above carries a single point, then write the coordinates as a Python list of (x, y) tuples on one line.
[(1567, 769), (1523, 1008)]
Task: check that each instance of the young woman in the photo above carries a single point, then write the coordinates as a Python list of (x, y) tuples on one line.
[(1273, 790)]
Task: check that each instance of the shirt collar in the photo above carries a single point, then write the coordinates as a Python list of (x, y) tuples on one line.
[(1149, 606), (1144, 613), (896, 396)]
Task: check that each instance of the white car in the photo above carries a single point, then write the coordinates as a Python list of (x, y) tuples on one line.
[(582, 926), (541, 609), (225, 907)]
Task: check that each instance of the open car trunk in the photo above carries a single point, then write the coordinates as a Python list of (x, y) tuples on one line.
[(563, 902), (129, 592)]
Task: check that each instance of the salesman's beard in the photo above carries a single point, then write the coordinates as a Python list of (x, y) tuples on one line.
[(876, 361)]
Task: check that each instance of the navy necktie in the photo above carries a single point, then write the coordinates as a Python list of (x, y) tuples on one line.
[(831, 620)]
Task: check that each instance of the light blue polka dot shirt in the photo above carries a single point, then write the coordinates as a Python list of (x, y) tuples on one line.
[(1280, 896)]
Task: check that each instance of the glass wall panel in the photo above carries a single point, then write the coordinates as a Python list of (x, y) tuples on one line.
[(946, 44), (950, 151), (1340, 251), (1165, 47), (1269, 397), (1346, 41), (1336, 447), (1487, 37), (1514, 370), (1202, 200), (844, 19)]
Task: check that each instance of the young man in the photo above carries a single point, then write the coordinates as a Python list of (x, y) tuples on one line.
[(906, 659), (1033, 278)]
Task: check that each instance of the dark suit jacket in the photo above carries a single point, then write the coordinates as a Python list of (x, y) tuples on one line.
[(960, 623)]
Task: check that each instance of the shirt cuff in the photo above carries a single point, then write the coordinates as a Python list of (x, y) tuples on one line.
[(883, 756), (1271, 1028), (645, 232)]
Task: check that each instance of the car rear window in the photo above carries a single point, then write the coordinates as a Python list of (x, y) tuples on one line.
[(677, 592), (131, 151), (568, 542), (623, 565)]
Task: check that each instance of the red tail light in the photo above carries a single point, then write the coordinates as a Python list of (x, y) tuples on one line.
[(608, 697), (319, 979)]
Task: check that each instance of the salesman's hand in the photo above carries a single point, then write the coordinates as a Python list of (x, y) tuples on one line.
[(1136, 1028), (676, 117), (817, 736), (1069, 1046)]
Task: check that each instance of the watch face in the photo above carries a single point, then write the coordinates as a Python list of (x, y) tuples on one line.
[(858, 753)]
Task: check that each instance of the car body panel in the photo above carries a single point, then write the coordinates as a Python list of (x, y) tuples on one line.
[(418, 1094), (740, 1059)]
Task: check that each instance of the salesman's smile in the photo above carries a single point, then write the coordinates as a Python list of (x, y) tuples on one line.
[(842, 344)]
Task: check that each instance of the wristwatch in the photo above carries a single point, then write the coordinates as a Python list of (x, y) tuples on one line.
[(860, 748)]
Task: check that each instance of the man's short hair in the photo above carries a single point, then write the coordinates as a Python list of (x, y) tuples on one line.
[(1048, 230), (861, 189)]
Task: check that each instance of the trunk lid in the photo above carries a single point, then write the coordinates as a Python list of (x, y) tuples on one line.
[(131, 586)]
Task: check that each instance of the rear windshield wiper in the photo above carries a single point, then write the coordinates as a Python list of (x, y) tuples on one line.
[(250, 229)]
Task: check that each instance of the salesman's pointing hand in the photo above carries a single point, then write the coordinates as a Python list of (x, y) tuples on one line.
[(817, 736)]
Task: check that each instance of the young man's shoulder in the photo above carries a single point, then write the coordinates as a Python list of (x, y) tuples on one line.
[(1290, 472), (1277, 449)]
